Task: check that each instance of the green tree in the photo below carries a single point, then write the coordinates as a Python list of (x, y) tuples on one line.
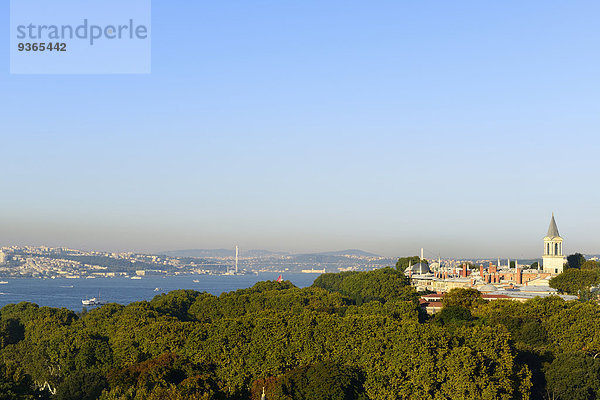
[(322, 381), (81, 385), (591, 264), (455, 314), (576, 282), (576, 328), (175, 303), (16, 385), (464, 297), (11, 331), (575, 260), (574, 376), (382, 285)]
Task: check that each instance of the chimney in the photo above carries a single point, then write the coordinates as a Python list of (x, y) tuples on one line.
[(481, 271), (464, 270), (519, 276)]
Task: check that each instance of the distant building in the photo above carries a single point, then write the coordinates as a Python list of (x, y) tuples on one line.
[(553, 260), (418, 268), (2, 257), (516, 282)]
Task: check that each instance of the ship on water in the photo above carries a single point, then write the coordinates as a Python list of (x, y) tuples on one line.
[(92, 302)]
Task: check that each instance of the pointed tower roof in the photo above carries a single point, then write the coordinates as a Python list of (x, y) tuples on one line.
[(552, 229)]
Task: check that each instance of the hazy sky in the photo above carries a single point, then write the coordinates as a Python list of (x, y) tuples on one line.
[(318, 125)]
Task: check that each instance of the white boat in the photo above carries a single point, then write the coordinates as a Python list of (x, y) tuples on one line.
[(3, 282), (157, 289), (196, 281), (92, 302), (136, 277)]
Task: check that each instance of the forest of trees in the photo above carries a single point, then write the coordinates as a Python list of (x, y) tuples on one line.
[(353, 335)]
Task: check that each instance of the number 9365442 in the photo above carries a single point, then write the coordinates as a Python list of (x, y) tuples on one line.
[(42, 46)]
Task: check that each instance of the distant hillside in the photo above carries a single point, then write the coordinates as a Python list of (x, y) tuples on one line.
[(200, 253), (220, 253), (349, 252), (263, 253)]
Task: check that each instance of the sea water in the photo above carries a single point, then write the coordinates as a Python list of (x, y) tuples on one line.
[(68, 293)]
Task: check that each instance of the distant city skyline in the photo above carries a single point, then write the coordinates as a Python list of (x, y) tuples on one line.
[(318, 126)]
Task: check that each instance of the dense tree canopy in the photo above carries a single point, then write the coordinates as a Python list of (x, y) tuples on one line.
[(574, 376), (321, 381), (577, 282), (381, 285), (357, 335)]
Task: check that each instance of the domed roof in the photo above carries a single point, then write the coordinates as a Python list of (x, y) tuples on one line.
[(487, 288), (418, 268)]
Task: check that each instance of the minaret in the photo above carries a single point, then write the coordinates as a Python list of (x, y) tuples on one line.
[(263, 397), (554, 259)]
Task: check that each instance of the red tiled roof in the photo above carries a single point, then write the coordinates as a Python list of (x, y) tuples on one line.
[(434, 304)]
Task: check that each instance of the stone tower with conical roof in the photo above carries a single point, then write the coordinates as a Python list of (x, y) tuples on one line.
[(554, 260)]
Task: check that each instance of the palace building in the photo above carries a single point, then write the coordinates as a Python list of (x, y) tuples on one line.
[(553, 260)]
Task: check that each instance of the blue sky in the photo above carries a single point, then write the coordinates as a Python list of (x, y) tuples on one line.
[(307, 126)]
